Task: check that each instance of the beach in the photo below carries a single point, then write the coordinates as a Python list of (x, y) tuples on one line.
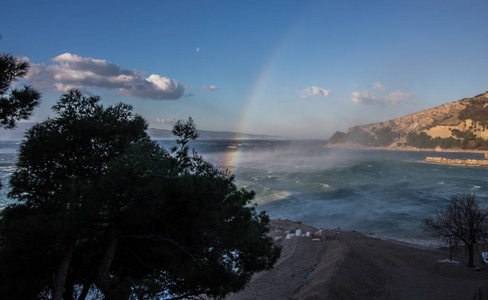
[(341, 264)]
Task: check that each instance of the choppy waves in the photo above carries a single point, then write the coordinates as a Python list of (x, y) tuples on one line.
[(383, 193)]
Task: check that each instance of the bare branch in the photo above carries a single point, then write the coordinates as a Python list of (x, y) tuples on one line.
[(462, 220)]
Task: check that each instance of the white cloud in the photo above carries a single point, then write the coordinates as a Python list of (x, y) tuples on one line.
[(198, 49), (211, 87), (379, 86), (364, 97), (59, 87), (87, 64), (313, 91), (398, 96), (368, 98), (71, 70), (170, 121)]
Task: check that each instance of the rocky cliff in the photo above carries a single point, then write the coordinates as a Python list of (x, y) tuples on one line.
[(459, 124)]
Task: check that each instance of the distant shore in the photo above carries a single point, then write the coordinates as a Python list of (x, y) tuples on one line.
[(358, 147)]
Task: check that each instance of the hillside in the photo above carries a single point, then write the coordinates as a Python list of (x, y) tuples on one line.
[(462, 124)]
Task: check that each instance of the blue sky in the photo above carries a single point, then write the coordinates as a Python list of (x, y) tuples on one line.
[(299, 69)]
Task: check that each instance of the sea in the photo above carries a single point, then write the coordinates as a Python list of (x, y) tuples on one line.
[(385, 194)]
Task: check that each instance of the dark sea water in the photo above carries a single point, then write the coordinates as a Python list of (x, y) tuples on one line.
[(384, 193)]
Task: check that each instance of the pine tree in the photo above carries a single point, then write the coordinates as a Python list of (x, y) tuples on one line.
[(102, 207), (15, 104)]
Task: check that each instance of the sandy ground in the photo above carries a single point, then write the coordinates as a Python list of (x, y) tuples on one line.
[(339, 264)]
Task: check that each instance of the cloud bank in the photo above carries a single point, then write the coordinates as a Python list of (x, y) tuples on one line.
[(368, 98), (73, 71), (211, 87), (170, 121), (312, 91), (379, 86)]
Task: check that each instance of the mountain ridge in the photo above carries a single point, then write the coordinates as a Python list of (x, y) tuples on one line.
[(461, 124), (18, 133), (155, 133)]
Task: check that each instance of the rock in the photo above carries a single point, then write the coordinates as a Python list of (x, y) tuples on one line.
[(436, 122), (467, 162)]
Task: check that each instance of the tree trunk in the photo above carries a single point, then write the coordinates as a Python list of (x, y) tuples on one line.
[(84, 291), (60, 279), (111, 288), (69, 288), (470, 252)]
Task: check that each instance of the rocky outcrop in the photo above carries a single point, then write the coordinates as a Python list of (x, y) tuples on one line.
[(464, 121), (445, 131), (465, 162), (446, 114)]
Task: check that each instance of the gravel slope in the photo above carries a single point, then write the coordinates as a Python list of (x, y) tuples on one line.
[(342, 264)]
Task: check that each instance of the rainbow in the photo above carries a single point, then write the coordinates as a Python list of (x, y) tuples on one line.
[(231, 158)]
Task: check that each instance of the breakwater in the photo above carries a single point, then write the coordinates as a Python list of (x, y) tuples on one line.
[(465, 162)]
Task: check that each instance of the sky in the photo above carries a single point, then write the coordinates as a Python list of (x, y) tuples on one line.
[(298, 69)]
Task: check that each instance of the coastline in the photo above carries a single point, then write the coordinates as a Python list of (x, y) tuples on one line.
[(341, 264), (359, 147), (458, 162), (429, 159)]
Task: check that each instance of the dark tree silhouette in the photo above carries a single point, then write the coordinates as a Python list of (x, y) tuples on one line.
[(101, 207), (462, 221), (15, 104)]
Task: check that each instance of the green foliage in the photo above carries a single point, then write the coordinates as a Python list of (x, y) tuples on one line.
[(59, 159), (18, 104), (102, 206), (447, 143), (384, 137), (186, 133), (422, 140), (458, 133), (357, 136), (337, 138), (476, 111), (470, 140)]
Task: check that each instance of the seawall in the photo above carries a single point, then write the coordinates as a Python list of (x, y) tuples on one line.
[(465, 162)]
